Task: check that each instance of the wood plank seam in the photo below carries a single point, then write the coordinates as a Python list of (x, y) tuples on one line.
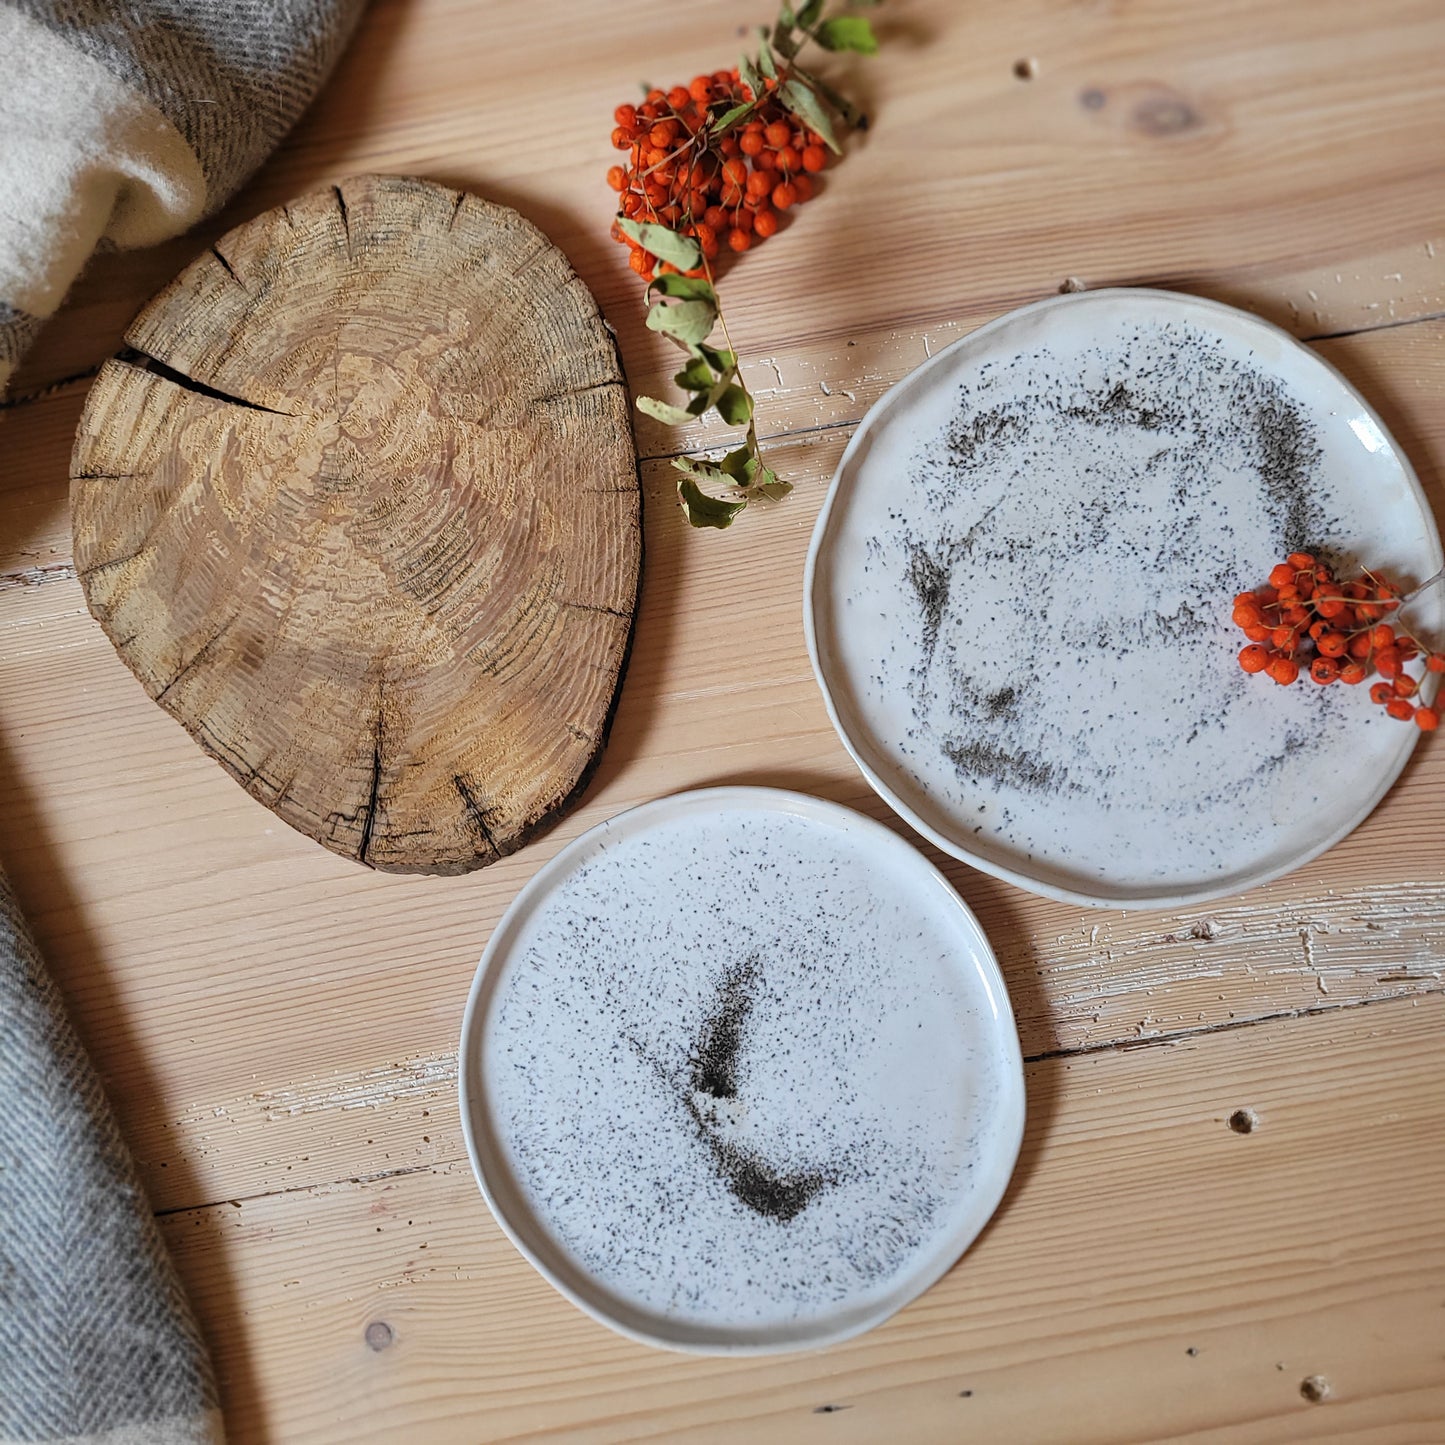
[(457, 1156)]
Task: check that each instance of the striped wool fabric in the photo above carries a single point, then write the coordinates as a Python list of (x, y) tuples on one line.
[(96, 1341), (122, 122)]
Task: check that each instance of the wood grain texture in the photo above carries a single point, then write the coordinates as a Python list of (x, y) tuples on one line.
[(1154, 1274), (364, 519), (278, 1027)]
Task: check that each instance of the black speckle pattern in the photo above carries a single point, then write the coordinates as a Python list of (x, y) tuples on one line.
[(743, 1069), (1028, 572)]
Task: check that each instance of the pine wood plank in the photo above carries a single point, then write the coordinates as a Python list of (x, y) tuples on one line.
[(250, 1048), (1248, 152), (1152, 1274)]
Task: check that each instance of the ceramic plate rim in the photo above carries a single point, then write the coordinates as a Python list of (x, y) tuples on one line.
[(1206, 892), (1004, 1032)]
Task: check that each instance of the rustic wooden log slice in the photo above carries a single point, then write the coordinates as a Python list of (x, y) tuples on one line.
[(361, 510)]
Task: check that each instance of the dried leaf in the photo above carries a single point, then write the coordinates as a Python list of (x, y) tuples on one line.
[(750, 77), (686, 321), (847, 32), (703, 510), (663, 411), (680, 251), (809, 109)]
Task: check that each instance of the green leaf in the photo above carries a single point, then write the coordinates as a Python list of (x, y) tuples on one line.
[(684, 288), (663, 411), (687, 321), (809, 109), (666, 245), (772, 486), (852, 116), (702, 470), (750, 77), (808, 15), (695, 376), (741, 465), (703, 510), (765, 61), (734, 405), (730, 118), (722, 362), (847, 32)]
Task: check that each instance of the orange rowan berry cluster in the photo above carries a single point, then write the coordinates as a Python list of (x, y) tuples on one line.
[(1305, 618), (721, 189)]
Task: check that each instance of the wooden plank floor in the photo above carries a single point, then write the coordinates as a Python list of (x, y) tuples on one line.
[(278, 1028)]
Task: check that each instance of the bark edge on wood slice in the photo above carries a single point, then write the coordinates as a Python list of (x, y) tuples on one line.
[(360, 508)]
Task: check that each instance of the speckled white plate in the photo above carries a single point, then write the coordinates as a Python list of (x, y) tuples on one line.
[(1019, 591), (739, 1073)]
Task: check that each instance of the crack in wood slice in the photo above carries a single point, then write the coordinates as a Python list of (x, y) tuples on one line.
[(359, 506)]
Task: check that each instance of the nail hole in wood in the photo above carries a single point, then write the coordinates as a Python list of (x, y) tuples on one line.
[(965, 1394), (1092, 99), (1315, 1388), (1192, 1351), (1026, 68), (1243, 1121), (379, 1335), (830, 1409)]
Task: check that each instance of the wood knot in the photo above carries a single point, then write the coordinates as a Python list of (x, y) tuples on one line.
[(379, 1335), (1165, 114)]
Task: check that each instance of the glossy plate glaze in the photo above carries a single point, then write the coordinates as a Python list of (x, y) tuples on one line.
[(1018, 598), (739, 1073)]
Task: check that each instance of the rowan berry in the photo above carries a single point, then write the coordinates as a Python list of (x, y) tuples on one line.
[(626, 116), (622, 139), (1253, 658), (779, 133), (1283, 670), (735, 172), (751, 143), (1436, 662), (1300, 561), (1406, 686), (814, 158), (1381, 692), (739, 239), (759, 183), (765, 223), (785, 195), (1387, 662), (1325, 670), (701, 89), (1353, 673), (803, 184), (1332, 644), (678, 97), (789, 160), (1282, 575), (1399, 708), (617, 178), (1427, 719)]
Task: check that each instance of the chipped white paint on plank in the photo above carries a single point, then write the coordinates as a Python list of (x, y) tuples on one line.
[(419, 1077)]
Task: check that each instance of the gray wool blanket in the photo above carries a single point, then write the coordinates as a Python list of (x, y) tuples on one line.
[(122, 122)]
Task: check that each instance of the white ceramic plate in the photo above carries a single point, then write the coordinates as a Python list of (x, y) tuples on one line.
[(739, 1073), (1019, 591)]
